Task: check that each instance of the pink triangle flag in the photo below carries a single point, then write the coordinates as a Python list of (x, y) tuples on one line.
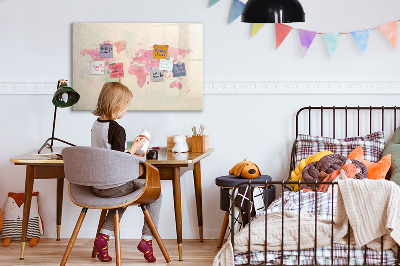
[(306, 39), (281, 31), (389, 30)]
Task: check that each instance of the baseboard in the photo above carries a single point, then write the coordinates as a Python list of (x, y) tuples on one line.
[(246, 87)]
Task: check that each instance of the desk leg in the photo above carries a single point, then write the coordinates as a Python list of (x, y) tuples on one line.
[(27, 206), (199, 204), (60, 190), (176, 182)]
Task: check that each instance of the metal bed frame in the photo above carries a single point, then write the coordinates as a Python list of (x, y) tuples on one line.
[(283, 184)]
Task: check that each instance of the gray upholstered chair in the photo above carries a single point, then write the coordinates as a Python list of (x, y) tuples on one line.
[(85, 167)]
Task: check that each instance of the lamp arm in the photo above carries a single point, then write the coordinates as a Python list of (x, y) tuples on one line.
[(54, 126)]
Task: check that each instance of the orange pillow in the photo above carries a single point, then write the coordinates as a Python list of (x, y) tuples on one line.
[(375, 170)]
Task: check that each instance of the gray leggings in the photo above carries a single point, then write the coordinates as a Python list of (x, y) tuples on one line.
[(154, 208)]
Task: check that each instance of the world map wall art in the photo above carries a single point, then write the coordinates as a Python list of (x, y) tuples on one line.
[(161, 63)]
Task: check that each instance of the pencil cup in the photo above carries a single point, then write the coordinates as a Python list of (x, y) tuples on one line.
[(200, 143)]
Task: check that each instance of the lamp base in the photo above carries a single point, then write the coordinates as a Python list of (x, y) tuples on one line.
[(50, 146)]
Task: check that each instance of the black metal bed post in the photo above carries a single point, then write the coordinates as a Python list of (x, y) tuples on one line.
[(334, 119), (383, 118), (345, 112), (249, 220), (309, 120), (298, 238), (315, 221), (333, 192), (266, 221), (358, 120), (283, 211), (348, 242), (322, 121), (381, 250)]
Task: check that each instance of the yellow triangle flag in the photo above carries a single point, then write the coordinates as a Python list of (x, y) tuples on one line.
[(256, 28)]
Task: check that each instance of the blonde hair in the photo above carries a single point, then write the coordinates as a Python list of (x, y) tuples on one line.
[(113, 97)]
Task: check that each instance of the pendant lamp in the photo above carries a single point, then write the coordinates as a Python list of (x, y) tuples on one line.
[(273, 11), (64, 96)]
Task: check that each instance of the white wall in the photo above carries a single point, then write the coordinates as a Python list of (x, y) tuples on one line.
[(35, 40)]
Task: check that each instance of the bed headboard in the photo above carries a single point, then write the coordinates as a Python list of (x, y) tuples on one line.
[(344, 121)]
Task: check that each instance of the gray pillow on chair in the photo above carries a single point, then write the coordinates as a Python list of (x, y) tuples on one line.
[(393, 148)]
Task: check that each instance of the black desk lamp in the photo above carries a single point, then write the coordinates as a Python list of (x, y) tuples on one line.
[(64, 97), (273, 11)]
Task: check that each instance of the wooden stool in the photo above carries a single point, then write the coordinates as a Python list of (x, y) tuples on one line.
[(226, 183)]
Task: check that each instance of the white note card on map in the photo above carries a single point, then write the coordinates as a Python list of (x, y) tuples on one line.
[(166, 64)]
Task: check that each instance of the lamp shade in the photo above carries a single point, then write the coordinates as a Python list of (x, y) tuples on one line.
[(273, 11), (65, 96)]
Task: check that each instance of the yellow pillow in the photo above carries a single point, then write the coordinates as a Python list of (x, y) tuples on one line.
[(296, 174)]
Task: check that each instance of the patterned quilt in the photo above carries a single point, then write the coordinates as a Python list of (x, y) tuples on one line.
[(321, 205)]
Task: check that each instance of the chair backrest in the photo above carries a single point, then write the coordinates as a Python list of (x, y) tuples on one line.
[(92, 166)]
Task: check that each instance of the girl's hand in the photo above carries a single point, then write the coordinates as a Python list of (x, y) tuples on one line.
[(137, 144), (143, 155)]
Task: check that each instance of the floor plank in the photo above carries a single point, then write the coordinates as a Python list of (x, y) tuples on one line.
[(50, 252)]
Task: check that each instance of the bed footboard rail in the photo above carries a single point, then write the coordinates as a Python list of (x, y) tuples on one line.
[(282, 257)]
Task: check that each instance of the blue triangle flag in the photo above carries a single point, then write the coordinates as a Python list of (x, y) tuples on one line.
[(213, 2), (237, 9), (332, 41), (361, 37)]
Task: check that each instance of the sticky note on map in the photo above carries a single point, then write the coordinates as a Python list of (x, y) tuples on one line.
[(117, 70), (160, 51), (166, 64), (97, 68), (109, 79), (156, 75), (179, 70), (106, 50)]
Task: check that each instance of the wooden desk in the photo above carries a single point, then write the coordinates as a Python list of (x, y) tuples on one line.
[(171, 167)]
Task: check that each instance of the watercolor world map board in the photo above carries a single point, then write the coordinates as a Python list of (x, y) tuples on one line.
[(161, 63)]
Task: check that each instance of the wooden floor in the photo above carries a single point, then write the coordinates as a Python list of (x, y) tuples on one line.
[(50, 252)]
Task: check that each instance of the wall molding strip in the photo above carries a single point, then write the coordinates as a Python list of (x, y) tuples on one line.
[(243, 87)]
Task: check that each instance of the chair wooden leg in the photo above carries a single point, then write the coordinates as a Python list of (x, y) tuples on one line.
[(117, 238), (101, 222), (73, 237), (154, 230), (223, 229)]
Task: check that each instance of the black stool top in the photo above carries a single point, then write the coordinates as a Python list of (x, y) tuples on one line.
[(230, 181)]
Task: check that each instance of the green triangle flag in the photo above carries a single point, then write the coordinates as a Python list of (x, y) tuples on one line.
[(213, 2), (256, 28), (332, 41)]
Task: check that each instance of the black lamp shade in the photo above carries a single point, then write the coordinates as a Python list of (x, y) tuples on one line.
[(62, 101), (273, 11)]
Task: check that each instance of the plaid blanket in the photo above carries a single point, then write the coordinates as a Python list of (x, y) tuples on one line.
[(323, 205), (340, 254)]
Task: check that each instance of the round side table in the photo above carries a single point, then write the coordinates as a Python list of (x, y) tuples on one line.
[(228, 182)]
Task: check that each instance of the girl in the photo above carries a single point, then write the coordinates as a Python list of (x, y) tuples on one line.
[(106, 133)]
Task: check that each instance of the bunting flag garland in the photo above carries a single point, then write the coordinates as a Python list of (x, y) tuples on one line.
[(281, 31), (332, 41), (389, 30), (256, 27), (237, 9), (213, 2), (361, 37), (306, 39)]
